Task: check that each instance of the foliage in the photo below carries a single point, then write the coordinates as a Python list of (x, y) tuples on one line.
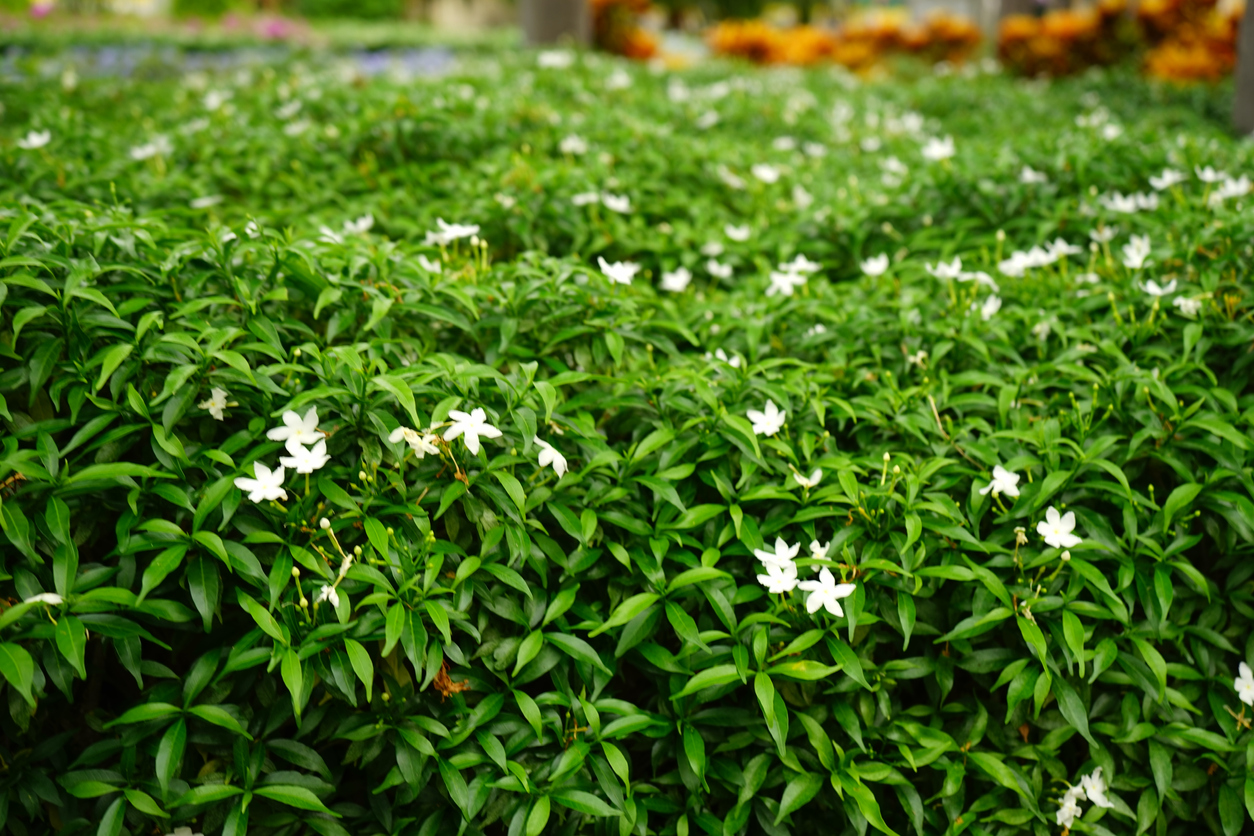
[(475, 644)]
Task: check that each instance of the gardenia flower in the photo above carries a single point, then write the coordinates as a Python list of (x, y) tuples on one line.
[(1154, 289), (159, 147), (819, 551), (738, 233), (800, 264), (617, 203), (421, 444), (328, 593), (550, 456), (1170, 177), (1104, 234), (305, 459), (784, 283), (360, 226), (429, 265), (811, 481), (52, 599), (769, 421), (1056, 529), (1230, 188), (946, 271), (990, 307), (1209, 175), (302, 430), (1003, 482), (1030, 177), (585, 198), (782, 556), (34, 140), (779, 577), (1069, 808), (448, 233), (875, 265), (825, 592), (718, 270), (1136, 251), (1188, 306), (470, 426), (938, 149), (618, 272), (1244, 683), (216, 403), (573, 145), (267, 485), (766, 173), (1094, 787), (1061, 249), (676, 280)]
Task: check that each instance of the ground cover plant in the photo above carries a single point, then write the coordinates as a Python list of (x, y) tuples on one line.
[(562, 446)]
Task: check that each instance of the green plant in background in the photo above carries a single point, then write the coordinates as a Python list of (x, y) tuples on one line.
[(393, 456)]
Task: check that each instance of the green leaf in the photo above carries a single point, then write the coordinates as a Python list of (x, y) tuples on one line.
[(1179, 500), (628, 610), (359, 658), (71, 638), (18, 668), (538, 817), (583, 802), (708, 678), (576, 648), (797, 793), (298, 797), (293, 678)]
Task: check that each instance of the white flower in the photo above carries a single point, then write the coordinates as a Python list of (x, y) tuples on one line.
[(329, 235), (769, 421), (305, 459), (216, 403), (585, 198), (328, 593), (1154, 289), (782, 556), (825, 592), (990, 307), (1188, 306), (875, 265), (737, 233), (779, 577), (919, 358), (252, 230), (34, 140), (1230, 188), (784, 143), (1116, 202), (360, 226), (52, 599), (1111, 132), (1068, 811), (448, 233), (733, 360), (1209, 175), (1094, 787), (1104, 234), (618, 272), (506, 201), (707, 120), (802, 198), (871, 144), (159, 147), (303, 430), (892, 165), (712, 249), (938, 149), (1003, 482), (718, 270), (730, 179), (1028, 176), (946, 271), (267, 485), (815, 149), (810, 481), (766, 173), (1136, 251), (800, 264), (676, 280), (550, 456), (184, 831), (470, 426), (617, 203), (1170, 177), (422, 444), (573, 145), (1148, 202), (1041, 330), (214, 99), (1056, 529), (1244, 683), (429, 265), (205, 202), (819, 551), (980, 277), (784, 283), (618, 80), (1061, 249), (555, 59)]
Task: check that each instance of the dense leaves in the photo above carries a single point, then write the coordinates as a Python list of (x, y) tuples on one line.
[(522, 592)]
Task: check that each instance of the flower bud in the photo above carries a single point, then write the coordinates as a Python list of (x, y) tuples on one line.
[(357, 550), (1001, 235), (296, 352), (887, 458), (295, 571), (387, 697), (896, 470), (324, 523), (1066, 556), (390, 531), (361, 476)]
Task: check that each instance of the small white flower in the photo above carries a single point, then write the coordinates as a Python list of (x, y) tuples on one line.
[(784, 143), (730, 179), (328, 593), (766, 173), (1209, 175), (52, 599), (712, 249), (1170, 177), (1029, 176), (429, 265), (990, 307), (811, 481), (733, 360), (617, 203), (447, 233), (919, 358), (718, 270), (800, 264), (329, 235), (470, 426), (303, 430), (1188, 306), (159, 147), (676, 281), (1068, 811), (802, 198), (826, 593), (1154, 289), (737, 233), (618, 272), (1104, 234), (216, 403), (769, 420), (267, 485), (814, 149), (1061, 249), (942, 270), (819, 551), (1056, 529), (550, 456), (707, 120), (184, 831), (938, 149), (422, 444), (1041, 330), (784, 283), (782, 556), (620, 79), (585, 198), (1244, 683), (1094, 787), (305, 459), (1003, 482), (1111, 132), (359, 226), (1136, 251), (555, 59), (979, 277), (875, 265), (34, 140), (779, 577), (573, 145)]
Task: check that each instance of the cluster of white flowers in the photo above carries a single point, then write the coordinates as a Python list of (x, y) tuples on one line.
[(1091, 787), (1129, 204), (1020, 262), (447, 233), (158, 146), (790, 276), (781, 576)]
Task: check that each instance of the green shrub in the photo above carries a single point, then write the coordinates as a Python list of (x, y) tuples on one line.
[(559, 626)]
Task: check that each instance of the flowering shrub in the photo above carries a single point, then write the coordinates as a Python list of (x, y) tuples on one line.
[(394, 457)]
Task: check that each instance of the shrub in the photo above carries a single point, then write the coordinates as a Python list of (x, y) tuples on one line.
[(559, 626)]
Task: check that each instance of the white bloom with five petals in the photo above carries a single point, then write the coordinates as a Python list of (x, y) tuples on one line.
[(470, 425), (550, 456), (1136, 251), (875, 265), (216, 403), (52, 599), (305, 459), (34, 140), (268, 484), (303, 430), (1003, 482), (1153, 288), (1056, 529), (810, 481), (826, 593), (1094, 786), (423, 444), (779, 577), (1244, 683), (782, 555), (676, 281), (328, 593), (769, 420), (618, 272)]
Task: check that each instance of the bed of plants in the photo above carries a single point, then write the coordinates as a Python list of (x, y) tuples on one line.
[(564, 447)]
